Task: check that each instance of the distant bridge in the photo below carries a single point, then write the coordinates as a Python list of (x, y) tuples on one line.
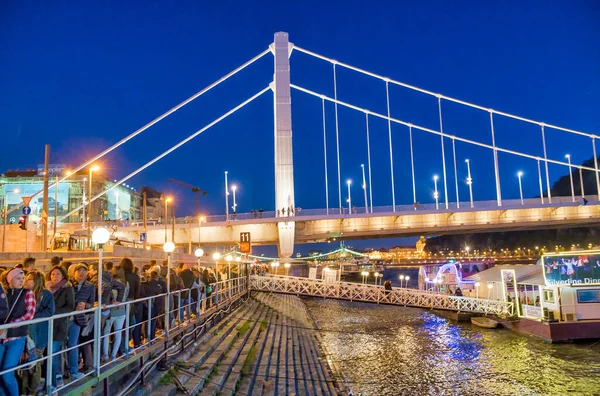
[(377, 294)]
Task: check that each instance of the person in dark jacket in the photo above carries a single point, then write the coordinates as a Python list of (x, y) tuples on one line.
[(44, 308), (189, 295), (21, 307), (85, 295), (152, 288), (64, 302), (135, 314)]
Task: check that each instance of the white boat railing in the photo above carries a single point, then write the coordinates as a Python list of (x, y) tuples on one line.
[(377, 294)]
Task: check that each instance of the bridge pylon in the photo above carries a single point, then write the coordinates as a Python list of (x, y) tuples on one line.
[(284, 162)]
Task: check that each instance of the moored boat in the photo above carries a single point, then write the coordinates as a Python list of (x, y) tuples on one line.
[(484, 322)]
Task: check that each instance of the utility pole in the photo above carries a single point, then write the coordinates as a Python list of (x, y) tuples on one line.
[(45, 201), (145, 218), (55, 212)]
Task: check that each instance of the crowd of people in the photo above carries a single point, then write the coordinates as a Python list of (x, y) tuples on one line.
[(69, 288)]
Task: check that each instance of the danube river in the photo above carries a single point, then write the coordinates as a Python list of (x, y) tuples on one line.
[(390, 350)]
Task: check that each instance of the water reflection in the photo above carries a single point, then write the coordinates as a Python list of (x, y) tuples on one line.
[(387, 350)]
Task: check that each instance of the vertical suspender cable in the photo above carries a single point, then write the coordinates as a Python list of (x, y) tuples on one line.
[(325, 158), (369, 161), (546, 164), (387, 95), (337, 139), (455, 174), (540, 179), (596, 167), (443, 151), (412, 164), (581, 182), (496, 169)]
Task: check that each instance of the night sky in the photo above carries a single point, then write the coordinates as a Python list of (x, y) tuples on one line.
[(82, 75)]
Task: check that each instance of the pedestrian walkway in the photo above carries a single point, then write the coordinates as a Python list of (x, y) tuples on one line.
[(265, 347)]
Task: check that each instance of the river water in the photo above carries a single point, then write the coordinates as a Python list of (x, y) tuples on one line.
[(390, 350)]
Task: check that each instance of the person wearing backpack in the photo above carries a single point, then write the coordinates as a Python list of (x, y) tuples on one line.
[(117, 315), (21, 303)]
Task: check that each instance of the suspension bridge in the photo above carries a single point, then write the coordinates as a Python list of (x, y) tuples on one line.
[(440, 213)]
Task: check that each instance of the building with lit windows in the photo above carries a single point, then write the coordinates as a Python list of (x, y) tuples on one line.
[(121, 203)]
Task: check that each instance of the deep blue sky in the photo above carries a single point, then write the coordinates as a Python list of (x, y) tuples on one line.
[(81, 75)]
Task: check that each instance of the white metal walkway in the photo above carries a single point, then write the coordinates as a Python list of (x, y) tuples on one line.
[(377, 294)]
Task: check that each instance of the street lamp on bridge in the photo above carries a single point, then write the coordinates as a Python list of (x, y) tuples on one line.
[(401, 277), (436, 195), (349, 182), (520, 175), (364, 274), (469, 181), (287, 268)]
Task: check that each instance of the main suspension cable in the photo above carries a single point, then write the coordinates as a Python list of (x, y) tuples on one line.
[(175, 147), (151, 123)]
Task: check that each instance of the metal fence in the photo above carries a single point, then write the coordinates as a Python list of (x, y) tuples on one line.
[(183, 313), (377, 294)]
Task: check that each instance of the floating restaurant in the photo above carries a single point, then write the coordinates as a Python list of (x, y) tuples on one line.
[(558, 298)]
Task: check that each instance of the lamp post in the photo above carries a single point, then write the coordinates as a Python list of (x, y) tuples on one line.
[(168, 248), (167, 200), (406, 278), (349, 182), (520, 175), (199, 253), (401, 279), (436, 195), (490, 286), (275, 266), (469, 181), (5, 213), (568, 157), (234, 207), (364, 275), (287, 269), (376, 274), (364, 186), (99, 237), (467, 248), (226, 198), (89, 217), (228, 259), (477, 284)]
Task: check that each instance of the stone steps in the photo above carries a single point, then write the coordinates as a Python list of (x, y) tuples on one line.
[(266, 347)]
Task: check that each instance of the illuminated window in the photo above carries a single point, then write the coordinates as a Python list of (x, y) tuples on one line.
[(549, 296)]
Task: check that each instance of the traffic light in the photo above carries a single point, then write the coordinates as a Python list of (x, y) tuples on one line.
[(23, 222)]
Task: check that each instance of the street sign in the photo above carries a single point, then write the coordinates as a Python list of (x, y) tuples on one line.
[(245, 244), (26, 200), (143, 237), (26, 210)]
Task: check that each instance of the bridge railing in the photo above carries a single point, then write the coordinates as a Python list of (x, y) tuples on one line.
[(178, 312), (377, 294)]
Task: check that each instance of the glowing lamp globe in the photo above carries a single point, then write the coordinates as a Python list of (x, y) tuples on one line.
[(168, 247), (287, 265), (407, 278), (199, 252), (216, 256), (477, 284), (238, 259), (228, 257), (100, 235), (490, 285)]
